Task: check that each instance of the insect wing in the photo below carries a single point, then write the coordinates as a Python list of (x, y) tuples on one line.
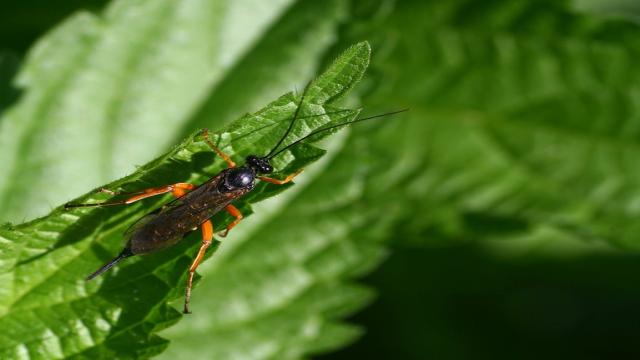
[(168, 224), (148, 218)]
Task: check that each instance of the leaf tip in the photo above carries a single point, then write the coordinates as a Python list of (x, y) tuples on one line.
[(364, 47), (342, 75)]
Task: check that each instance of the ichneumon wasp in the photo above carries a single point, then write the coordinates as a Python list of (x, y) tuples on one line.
[(195, 205)]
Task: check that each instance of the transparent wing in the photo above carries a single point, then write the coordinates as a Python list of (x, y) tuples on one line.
[(177, 208)]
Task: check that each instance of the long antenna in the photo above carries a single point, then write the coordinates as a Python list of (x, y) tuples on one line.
[(271, 156), (295, 116), (299, 118)]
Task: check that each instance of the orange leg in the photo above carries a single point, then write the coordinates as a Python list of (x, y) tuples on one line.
[(207, 237), (178, 190), (236, 214), (205, 134), (280, 182)]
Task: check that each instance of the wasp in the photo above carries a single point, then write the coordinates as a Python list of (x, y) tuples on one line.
[(194, 206)]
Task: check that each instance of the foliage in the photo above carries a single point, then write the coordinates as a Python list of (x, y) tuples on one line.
[(528, 145), (528, 111), (521, 134)]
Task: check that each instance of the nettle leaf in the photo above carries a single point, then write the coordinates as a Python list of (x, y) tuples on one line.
[(526, 120), (103, 93), (279, 289), (47, 310)]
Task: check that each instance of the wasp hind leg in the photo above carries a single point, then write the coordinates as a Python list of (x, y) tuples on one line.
[(177, 189), (207, 237)]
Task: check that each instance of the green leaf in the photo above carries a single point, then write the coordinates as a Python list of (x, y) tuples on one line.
[(277, 287), (342, 76), (524, 119), (47, 310)]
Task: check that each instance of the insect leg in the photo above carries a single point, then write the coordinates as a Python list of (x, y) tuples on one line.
[(178, 190), (207, 236), (236, 214), (205, 134), (280, 182)]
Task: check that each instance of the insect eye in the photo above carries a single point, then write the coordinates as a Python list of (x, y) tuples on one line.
[(267, 169)]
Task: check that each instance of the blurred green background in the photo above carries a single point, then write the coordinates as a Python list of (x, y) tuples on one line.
[(520, 235)]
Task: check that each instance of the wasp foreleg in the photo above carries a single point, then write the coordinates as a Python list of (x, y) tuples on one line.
[(236, 214), (227, 158), (280, 182)]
